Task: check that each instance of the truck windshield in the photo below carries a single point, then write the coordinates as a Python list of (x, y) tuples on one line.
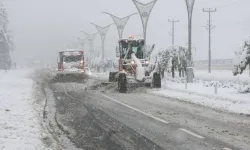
[(72, 58)]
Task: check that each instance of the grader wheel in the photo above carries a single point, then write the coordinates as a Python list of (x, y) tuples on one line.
[(112, 76), (122, 83)]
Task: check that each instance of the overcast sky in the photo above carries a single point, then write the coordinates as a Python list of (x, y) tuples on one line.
[(41, 28)]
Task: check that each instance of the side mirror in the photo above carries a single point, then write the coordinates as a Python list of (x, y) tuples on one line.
[(153, 47)]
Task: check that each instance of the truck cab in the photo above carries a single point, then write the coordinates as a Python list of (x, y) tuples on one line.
[(71, 61)]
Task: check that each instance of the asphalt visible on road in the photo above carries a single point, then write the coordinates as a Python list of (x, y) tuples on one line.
[(140, 121)]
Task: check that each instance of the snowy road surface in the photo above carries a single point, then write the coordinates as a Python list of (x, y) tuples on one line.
[(96, 116), (126, 121), (19, 121)]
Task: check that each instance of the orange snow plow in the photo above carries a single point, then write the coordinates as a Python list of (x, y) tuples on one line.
[(71, 66)]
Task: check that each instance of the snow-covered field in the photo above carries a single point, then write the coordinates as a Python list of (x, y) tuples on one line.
[(222, 75), (19, 123), (227, 97)]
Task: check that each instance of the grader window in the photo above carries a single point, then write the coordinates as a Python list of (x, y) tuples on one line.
[(134, 46), (134, 49)]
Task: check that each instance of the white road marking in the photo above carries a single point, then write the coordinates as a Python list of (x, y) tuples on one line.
[(158, 119), (135, 109), (191, 133)]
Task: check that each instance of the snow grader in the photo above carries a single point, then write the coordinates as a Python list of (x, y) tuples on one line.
[(134, 68)]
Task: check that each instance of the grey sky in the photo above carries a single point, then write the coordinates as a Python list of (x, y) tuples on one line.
[(43, 27)]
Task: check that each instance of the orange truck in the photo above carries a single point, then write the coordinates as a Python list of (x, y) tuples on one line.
[(71, 64)]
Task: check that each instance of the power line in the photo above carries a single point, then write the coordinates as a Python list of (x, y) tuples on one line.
[(209, 28), (173, 29)]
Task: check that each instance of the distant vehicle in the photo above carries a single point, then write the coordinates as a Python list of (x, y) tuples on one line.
[(71, 65)]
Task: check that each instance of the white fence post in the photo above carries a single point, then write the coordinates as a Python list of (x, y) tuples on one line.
[(216, 88)]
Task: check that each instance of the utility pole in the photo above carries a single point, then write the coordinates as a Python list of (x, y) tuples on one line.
[(173, 29), (209, 27)]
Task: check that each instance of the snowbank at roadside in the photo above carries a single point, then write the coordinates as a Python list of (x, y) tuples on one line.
[(225, 105), (201, 88), (100, 76), (202, 91), (19, 124)]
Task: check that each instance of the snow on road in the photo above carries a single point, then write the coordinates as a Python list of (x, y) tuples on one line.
[(100, 76), (19, 124), (69, 87), (212, 102), (200, 88), (227, 99)]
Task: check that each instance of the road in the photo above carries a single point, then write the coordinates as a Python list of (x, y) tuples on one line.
[(102, 119)]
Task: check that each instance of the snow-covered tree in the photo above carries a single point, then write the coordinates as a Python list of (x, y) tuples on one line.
[(172, 57), (95, 62), (6, 42), (242, 58)]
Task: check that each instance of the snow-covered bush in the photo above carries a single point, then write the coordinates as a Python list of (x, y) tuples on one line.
[(242, 58), (221, 84), (241, 88), (173, 55), (244, 89), (171, 58)]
